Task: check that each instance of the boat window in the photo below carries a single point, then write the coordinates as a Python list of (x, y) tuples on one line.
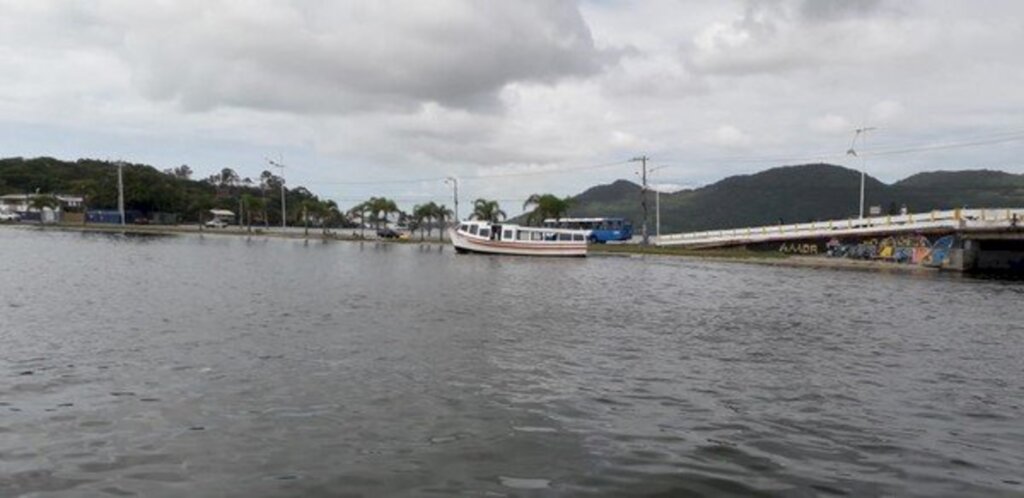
[(472, 229), (522, 235), (565, 236), (577, 236), (537, 236), (508, 235), (485, 232), (464, 227)]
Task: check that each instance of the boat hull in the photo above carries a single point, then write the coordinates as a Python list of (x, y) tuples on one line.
[(566, 249)]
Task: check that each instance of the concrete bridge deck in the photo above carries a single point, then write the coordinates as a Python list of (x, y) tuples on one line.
[(978, 223)]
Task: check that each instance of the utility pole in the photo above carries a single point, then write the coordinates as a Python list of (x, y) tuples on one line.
[(120, 190), (861, 133), (643, 194), (284, 208), (455, 194)]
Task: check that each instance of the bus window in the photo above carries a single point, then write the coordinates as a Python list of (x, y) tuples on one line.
[(472, 229)]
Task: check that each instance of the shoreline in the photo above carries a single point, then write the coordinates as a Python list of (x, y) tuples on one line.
[(759, 258), (597, 250), (295, 233)]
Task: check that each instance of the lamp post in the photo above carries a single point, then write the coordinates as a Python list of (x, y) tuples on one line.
[(862, 134), (454, 182), (657, 205), (643, 193), (120, 190), (284, 210)]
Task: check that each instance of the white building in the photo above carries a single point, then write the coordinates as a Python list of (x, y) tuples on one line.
[(21, 203)]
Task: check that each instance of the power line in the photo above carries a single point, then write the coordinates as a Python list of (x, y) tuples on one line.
[(548, 171), (545, 172), (946, 146), (989, 139)]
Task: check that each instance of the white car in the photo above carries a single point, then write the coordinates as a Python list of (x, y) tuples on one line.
[(9, 217)]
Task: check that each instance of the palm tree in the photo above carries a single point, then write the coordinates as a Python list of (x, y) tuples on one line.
[(359, 212), (246, 217), (200, 205), (442, 214), (422, 214), (484, 209), (329, 214), (546, 206), (308, 206), (381, 207), (43, 201), (255, 204)]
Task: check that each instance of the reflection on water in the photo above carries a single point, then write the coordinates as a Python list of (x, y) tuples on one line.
[(221, 366)]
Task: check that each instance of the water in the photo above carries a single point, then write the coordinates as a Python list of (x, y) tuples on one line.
[(217, 366)]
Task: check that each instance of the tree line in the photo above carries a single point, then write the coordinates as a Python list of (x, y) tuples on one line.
[(257, 201)]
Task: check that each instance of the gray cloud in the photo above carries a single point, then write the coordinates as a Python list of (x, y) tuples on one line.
[(385, 89), (831, 10), (780, 36), (315, 56)]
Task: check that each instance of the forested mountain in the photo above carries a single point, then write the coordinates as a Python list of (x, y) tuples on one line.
[(147, 189), (790, 194), (802, 193)]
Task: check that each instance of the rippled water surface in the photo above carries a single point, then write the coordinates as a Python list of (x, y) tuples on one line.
[(217, 366)]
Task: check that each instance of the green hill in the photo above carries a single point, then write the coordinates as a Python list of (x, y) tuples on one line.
[(801, 193), (147, 189)]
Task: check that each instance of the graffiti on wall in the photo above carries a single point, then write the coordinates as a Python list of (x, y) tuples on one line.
[(906, 248), (798, 248)]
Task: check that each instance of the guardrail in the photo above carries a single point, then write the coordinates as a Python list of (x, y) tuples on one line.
[(953, 219)]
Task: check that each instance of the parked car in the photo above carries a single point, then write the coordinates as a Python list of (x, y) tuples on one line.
[(216, 223), (387, 233), (9, 217)]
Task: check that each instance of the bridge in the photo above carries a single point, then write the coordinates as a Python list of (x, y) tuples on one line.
[(985, 239)]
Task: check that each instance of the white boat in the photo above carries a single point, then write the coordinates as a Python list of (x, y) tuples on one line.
[(501, 238)]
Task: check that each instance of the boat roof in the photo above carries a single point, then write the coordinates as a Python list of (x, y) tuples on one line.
[(521, 227), (584, 220)]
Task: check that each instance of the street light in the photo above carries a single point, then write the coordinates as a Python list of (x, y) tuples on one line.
[(454, 182), (862, 134), (284, 210), (657, 204)]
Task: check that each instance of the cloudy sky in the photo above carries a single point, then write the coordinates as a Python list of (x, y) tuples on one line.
[(513, 97)]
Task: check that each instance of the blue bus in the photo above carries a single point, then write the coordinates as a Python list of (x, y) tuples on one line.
[(601, 229)]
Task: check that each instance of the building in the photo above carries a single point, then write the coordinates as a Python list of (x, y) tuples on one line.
[(21, 203)]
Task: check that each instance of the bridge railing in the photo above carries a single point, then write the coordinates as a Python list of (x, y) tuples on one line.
[(954, 218)]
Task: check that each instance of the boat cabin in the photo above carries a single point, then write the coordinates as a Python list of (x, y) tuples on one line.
[(509, 233)]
